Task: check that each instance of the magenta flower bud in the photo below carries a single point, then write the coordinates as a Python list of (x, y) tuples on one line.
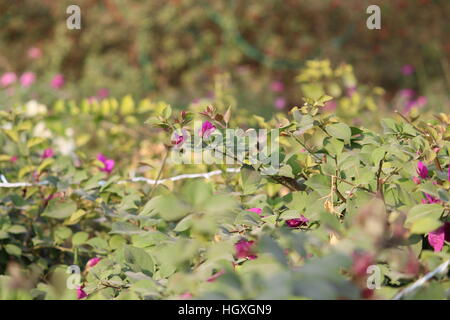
[(27, 79), (81, 294), (57, 81), (7, 79), (297, 222), (255, 210), (107, 163), (215, 276), (92, 262), (13, 159), (48, 153), (244, 249), (207, 129), (422, 170)]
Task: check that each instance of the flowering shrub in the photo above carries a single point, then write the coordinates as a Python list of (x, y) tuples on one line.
[(344, 199)]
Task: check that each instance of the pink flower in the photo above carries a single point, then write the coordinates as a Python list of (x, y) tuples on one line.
[(57, 81), (408, 69), (297, 222), (244, 249), (256, 210), (102, 93), (34, 53), (422, 170), (215, 276), (361, 261), (277, 86), (92, 262), (48, 153), (420, 102), (407, 93), (416, 180), (207, 129), (280, 103), (330, 106), (350, 91), (108, 163), (186, 295), (430, 199), (13, 159), (8, 78), (437, 237), (27, 79), (81, 294), (178, 139)]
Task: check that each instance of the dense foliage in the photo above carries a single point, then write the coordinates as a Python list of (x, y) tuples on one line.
[(345, 198)]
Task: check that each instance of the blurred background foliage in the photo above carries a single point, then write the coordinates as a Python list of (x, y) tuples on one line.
[(181, 50)]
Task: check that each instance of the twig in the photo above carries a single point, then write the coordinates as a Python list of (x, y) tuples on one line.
[(440, 269)]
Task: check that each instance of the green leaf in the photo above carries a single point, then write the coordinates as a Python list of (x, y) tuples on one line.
[(59, 210), (425, 225), (421, 211), (15, 229), (13, 250), (79, 238), (250, 180), (340, 131), (139, 260)]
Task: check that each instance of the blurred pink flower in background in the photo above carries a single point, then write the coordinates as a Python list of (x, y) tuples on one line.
[(34, 53), (350, 91), (103, 93), (330, 106), (186, 295), (407, 93), (7, 79), (57, 81), (108, 163), (27, 79), (361, 261), (418, 103), (13, 159), (408, 70), (48, 153), (277, 86), (280, 103)]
